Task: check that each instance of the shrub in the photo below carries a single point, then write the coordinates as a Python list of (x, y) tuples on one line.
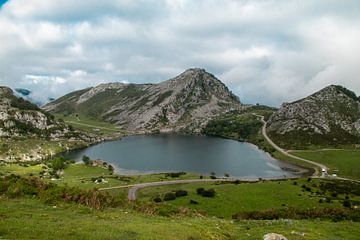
[(200, 190), (334, 194), (157, 199), (58, 163), (174, 175), (15, 186), (193, 201), (86, 160), (347, 203), (169, 196), (212, 177), (181, 193), (111, 168), (334, 214), (208, 193)]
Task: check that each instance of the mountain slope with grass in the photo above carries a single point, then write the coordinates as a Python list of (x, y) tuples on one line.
[(28, 133), (328, 117), (182, 104), (19, 117)]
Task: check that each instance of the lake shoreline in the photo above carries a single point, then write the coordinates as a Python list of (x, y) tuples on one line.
[(288, 168)]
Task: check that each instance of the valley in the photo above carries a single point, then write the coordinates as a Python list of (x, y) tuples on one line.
[(201, 196)]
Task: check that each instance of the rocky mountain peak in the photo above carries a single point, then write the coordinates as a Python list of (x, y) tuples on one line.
[(185, 102)]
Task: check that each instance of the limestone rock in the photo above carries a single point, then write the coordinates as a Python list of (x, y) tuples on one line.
[(274, 236)]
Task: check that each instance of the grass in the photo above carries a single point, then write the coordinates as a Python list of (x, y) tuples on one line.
[(232, 198), (347, 162), (87, 124), (20, 170), (80, 175), (34, 148), (30, 219)]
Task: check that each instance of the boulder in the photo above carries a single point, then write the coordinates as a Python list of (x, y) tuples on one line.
[(274, 236)]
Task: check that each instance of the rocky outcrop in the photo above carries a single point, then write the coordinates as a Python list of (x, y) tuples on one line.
[(330, 116), (19, 117), (184, 103)]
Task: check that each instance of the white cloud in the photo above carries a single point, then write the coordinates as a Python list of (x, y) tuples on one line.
[(266, 51)]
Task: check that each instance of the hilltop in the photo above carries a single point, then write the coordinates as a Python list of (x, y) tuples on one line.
[(328, 117), (181, 104)]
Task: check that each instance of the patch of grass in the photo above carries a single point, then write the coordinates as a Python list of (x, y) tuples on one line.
[(34, 149), (233, 198), (347, 162), (9, 168), (87, 124), (29, 218)]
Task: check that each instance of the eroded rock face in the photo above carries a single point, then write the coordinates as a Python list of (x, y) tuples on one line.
[(333, 109), (184, 103)]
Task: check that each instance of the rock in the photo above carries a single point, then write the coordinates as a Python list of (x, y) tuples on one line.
[(274, 236)]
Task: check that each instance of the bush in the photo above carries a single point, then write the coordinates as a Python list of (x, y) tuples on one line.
[(157, 199), (58, 163), (181, 193), (175, 175), (212, 177), (347, 203), (200, 190), (86, 160), (111, 168), (334, 194), (193, 201), (169, 196), (334, 214), (208, 193), (15, 186)]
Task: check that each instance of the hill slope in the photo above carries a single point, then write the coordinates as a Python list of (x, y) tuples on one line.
[(19, 117), (183, 103), (330, 116)]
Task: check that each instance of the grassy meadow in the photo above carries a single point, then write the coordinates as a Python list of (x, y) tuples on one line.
[(344, 162), (27, 218)]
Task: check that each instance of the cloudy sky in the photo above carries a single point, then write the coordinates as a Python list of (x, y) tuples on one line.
[(265, 51)]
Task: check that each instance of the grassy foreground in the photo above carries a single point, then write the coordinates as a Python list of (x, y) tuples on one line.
[(232, 198), (30, 219)]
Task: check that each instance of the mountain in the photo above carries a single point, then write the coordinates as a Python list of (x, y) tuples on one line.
[(330, 116), (19, 117), (184, 103)]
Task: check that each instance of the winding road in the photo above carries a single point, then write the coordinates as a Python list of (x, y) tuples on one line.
[(324, 169), (134, 187)]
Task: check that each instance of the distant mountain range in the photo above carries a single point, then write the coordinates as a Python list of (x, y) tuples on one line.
[(186, 104), (182, 104)]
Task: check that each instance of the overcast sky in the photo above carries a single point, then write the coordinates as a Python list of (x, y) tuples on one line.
[(265, 51)]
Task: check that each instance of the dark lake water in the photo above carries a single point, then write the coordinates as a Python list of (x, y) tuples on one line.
[(173, 153)]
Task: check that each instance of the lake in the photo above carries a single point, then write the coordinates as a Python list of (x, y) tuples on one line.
[(175, 153)]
